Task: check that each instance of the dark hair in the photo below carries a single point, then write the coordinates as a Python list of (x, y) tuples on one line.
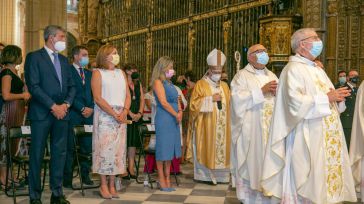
[(191, 75), (129, 66), (76, 50), (52, 30), (341, 71), (11, 54)]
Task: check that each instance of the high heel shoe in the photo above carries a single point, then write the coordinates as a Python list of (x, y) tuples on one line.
[(104, 195), (114, 193)]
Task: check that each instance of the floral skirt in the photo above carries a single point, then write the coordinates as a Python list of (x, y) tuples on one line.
[(108, 144)]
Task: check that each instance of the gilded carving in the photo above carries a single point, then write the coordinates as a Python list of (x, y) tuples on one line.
[(92, 14), (191, 44), (126, 49), (332, 8), (226, 27), (312, 14)]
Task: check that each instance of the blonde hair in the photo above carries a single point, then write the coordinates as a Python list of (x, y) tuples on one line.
[(159, 69), (104, 51)]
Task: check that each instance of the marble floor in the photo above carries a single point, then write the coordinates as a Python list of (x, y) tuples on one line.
[(131, 192)]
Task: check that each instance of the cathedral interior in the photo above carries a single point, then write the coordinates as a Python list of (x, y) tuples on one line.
[(187, 30)]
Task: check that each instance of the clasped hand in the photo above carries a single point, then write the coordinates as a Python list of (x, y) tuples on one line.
[(339, 94), (59, 111)]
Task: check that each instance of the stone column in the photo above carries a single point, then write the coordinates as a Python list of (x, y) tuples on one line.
[(52, 12), (7, 21)]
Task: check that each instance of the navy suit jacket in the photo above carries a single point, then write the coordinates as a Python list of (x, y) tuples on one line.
[(44, 85), (83, 97)]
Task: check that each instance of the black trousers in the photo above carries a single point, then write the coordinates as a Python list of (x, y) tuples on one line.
[(57, 130), (85, 148)]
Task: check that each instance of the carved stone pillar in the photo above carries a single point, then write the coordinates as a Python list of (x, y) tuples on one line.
[(275, 34), (353, 9), (361, 52), (331, 45)]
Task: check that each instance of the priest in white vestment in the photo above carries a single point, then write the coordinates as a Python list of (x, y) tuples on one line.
[(253, 92), (357, 142), (209, 124), (306, 158)]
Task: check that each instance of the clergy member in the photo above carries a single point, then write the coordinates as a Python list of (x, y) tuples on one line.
[(253, 92), (209, 124), (357, 142), (306, 157)]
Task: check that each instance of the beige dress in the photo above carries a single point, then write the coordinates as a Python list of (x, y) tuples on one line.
[(109, 136)]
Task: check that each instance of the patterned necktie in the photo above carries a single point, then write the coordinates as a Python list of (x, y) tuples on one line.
[(82, 75), (57, 66)]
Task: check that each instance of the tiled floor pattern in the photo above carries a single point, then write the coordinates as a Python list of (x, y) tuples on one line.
[(133, 193)]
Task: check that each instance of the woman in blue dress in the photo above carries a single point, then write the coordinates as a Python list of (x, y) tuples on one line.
[(167, 119)]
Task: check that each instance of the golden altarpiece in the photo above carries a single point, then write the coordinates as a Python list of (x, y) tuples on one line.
[(186, 30)]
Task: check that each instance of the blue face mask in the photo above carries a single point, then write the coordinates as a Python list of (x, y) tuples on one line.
[(342, 80), (84, 61), (262, 58), (316, 48)]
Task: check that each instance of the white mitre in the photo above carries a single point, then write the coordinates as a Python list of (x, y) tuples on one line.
[(216, 58)]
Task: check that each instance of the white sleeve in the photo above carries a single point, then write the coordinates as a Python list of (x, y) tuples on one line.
[(207, 105), (184, 101), (341, 106), (321, 107), (244, 98)]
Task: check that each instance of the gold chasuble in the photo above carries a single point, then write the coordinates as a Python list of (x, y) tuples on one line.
[(208, 136)]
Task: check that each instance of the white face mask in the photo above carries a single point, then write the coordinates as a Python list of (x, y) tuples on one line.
[(215, 77), (60, 46), (115, 59)]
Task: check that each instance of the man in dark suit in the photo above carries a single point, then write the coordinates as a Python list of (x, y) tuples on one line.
[(81, 113), (50, 83), (341, 77), (346, 117)]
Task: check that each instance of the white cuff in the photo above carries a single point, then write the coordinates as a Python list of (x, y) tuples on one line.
[(321, 107), (341, 106), (258, 96), (207, 105)]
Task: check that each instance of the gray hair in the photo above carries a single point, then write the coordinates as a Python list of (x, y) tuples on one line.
[(159, 69), (52, 30), (298, 36)]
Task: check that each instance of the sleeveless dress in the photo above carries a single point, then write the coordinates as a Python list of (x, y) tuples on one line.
[(133, 139), (168, 138), (109, 136), (12, 112)]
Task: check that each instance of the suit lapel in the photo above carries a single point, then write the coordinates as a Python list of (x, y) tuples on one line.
[(48, 59), (64, 66), (77, 75)]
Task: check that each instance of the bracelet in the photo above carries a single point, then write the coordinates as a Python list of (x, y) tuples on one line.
[(140, 113), (82, 109)]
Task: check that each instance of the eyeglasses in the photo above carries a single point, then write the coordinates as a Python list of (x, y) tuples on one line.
[(315, 37)]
